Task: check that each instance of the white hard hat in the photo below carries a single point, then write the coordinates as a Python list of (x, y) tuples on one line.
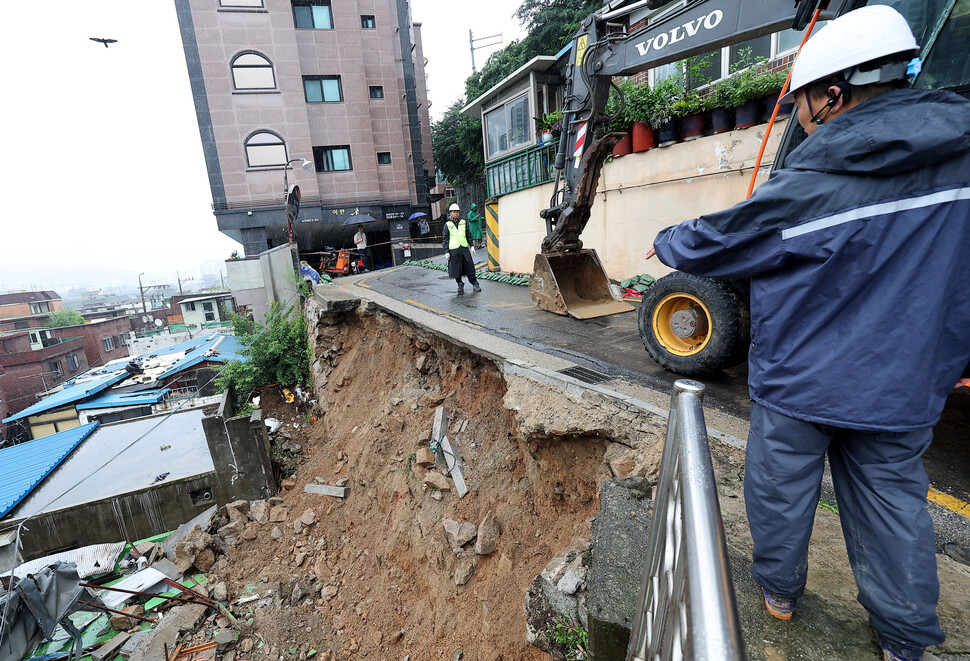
[(860, 36), (454, 207)]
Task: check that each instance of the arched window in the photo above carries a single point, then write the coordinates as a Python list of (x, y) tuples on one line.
[(265, 149), (251, 71)]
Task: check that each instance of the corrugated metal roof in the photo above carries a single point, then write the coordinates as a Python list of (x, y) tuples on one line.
[(28, 297), (90, 560), (116, 399), (24, 466), (221, 349), (70, 395)]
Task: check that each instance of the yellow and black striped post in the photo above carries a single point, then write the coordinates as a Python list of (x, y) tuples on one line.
[(491, 233)]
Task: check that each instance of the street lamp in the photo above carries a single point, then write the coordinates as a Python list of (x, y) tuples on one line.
[(141, 290), (293, 196)]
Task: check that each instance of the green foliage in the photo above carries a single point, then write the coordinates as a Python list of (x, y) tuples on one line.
[(571, 635), (749, 79), (550, 24), (276, 349), (549, 122), (458, 148), (65, 317), (826, 505), (664, 94), (690, 100)]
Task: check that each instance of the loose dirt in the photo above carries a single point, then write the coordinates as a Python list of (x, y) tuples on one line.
[(374, 576)]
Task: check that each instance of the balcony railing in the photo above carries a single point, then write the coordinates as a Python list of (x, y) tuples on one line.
[(526, 169)]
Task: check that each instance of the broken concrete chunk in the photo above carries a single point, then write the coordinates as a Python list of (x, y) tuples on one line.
[(423, 363), (251, 531), (422, 344), (259, 510), (488, 532), (437, 480), (111, 648), (241, 505), (278, 514), (297, 526), (328, 592), (233, 529), (308, 518), (464, 571), (276, 532), (425, 457), (205, 560), (572, 580), (287, 484), (342, 482), (459, 533), (220, 592), (121, 622), (326, 490)]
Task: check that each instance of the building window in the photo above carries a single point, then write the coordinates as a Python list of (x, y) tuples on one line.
[(507, 127), (191, 307), (108, 343), (210, 315), (55, 368), (383, 158), (376, 92), (322, 89), (73, 363), (367, 22), (39, 308), (264, 149), (241, 3), (251, 71), (312, 15), (332, 159)]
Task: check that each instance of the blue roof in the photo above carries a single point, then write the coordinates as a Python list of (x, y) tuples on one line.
[(70, 395), (230, 348), (116, 399), (186, 345), (24, 466)]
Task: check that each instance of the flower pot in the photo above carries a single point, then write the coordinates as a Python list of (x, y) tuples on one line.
[(692, 126), (623, 147), (747, 114), (668, 134), (546, 137), (643, 137), (722, 120)]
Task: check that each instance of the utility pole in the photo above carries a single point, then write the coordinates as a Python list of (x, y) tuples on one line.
[(471, 44), (141, 290), (178, 277)]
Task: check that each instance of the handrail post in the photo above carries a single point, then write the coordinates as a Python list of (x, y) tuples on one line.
[(686, 552)]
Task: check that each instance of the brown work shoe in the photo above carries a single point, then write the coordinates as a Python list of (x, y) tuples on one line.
[(779, 607)]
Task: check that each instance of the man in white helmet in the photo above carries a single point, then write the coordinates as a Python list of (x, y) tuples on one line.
[(457, 241), (858, 318)]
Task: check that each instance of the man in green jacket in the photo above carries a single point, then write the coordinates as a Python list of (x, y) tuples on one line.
[(475, 221), (457, 241)]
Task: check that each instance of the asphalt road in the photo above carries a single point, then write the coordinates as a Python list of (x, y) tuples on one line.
[(612, 346)]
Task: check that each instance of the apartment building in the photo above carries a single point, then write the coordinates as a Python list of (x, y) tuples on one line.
[(339, 83)]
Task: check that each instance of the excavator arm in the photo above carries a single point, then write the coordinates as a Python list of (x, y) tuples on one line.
[(569, 279)]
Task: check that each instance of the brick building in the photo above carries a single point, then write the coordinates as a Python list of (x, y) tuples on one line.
[(104, 340), (339, 84), (33, 362)]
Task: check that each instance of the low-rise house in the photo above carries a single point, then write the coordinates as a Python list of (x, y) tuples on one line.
[(209, 311)]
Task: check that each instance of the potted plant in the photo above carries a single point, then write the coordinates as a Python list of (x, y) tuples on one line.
[(690, 110), (549, 126), (664, 94), (720, 107), (617, 120), (770, 83), (639, 100), (743, 90)]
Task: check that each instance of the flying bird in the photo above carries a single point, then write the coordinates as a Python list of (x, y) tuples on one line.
[(103, 41)]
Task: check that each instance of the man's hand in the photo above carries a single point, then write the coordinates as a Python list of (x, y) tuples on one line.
[(473, 251), (650, 253), (449, 255)]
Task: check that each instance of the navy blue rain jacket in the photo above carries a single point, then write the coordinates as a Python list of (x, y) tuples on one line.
[(857, 253)]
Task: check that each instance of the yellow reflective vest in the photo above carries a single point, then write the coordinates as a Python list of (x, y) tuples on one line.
[(457, 237)]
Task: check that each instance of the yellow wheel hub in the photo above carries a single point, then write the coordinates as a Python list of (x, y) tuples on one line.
[(682, 324)]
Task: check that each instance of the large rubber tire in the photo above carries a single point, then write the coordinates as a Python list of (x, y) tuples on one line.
[(722, 324)]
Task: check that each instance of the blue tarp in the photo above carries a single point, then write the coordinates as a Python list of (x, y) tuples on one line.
[(24, 466), (70, 395)]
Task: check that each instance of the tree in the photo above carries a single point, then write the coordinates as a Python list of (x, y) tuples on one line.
[(457, 144), (66, 317), (276, 351)]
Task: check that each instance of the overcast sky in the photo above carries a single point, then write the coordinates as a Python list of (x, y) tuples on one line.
[(102, 176)]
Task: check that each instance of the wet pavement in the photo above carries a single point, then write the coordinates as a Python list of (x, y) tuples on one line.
[(611, 346)]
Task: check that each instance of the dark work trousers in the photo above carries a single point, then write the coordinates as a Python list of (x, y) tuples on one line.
[(880, 486)]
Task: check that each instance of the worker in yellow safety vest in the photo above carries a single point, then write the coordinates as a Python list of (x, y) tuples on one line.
[(457, 241)]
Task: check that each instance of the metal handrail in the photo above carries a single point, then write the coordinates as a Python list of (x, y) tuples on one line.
[(686, 608)]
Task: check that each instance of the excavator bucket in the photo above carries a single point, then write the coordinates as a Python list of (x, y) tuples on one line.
[(574, 284)]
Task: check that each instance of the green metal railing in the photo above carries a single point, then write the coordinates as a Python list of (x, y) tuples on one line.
[(528, 168)]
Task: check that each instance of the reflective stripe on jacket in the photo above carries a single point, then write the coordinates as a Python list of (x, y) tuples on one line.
[(456, 235), (856, 251)]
